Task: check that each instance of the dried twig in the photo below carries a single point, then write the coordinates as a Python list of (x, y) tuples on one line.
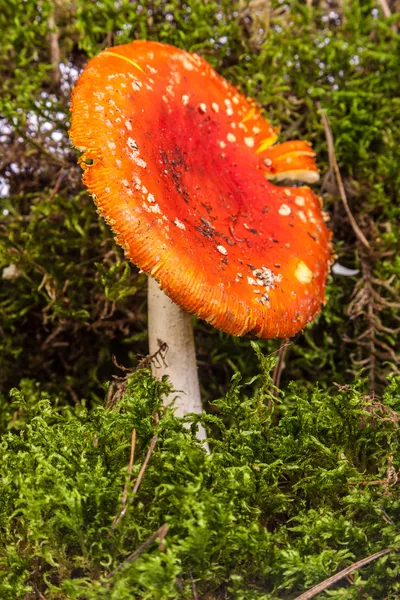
[(311, 593), (125, 492), (137, 483), (280, 365), (160, 533), (157, 357), (387, 13), (335, 167), (54, 49), (194, 590)]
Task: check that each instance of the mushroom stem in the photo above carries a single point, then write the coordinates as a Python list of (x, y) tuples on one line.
[(172, 325)]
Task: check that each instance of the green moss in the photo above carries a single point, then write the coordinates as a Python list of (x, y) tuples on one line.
[(288, 495), (283, 500)]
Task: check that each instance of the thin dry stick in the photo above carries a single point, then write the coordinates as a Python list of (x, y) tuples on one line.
[(344, 573), (194, 590), (334, 165), (160, 533), (137, 483), (54, 50), (385, 8), (387, 13), (125, 492), (280, 365)]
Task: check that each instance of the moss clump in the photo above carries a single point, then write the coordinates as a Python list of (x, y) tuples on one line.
[(289, 495), (289, 57)]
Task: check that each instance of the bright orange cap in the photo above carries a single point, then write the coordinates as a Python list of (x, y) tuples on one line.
[(179, 162)]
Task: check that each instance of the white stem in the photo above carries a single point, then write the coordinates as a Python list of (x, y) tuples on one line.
[(172, 325)]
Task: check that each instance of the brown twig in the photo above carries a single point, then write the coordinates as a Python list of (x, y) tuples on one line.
[(125, 492), (311, 593), (54, 49), (160, 533), (56, 187), (194, 590), (157, 357), (333, 162), (137, 483), (280, 365), (387, 13)]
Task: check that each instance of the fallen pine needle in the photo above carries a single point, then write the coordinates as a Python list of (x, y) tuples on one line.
[(138, 481), (335, 167), (125, 493), (347, 571), (160, 533)]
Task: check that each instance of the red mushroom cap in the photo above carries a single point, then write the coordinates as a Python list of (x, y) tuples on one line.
[(178, 162)]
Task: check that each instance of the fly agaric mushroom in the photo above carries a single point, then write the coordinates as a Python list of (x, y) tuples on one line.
[(179, 164)]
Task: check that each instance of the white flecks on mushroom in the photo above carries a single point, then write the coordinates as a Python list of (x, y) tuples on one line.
[(108, 123), (302, 216), (287, 192), (176, 76), (187, 64), (128, 125), (287, 245), (185, 99), (99, 108), (132, 144), (144, 189), (256, 130), (284, 210), (170, 90), (179, 224), (325, 216), (151, 198), (118, 162), (267, 277), (222, 144), (249, 141), (222, 250), (267, 162), (235, 100), (251, 281), (164, 97), (265, 300), (202, 107), (215, 107), (299, 200), (231, 138), (303, 273), (136, 85), (155, 209), (229, 111), (111, 145), (242, 126), (140, 162)]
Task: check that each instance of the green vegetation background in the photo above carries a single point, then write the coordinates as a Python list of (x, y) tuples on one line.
[(301, 481)]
